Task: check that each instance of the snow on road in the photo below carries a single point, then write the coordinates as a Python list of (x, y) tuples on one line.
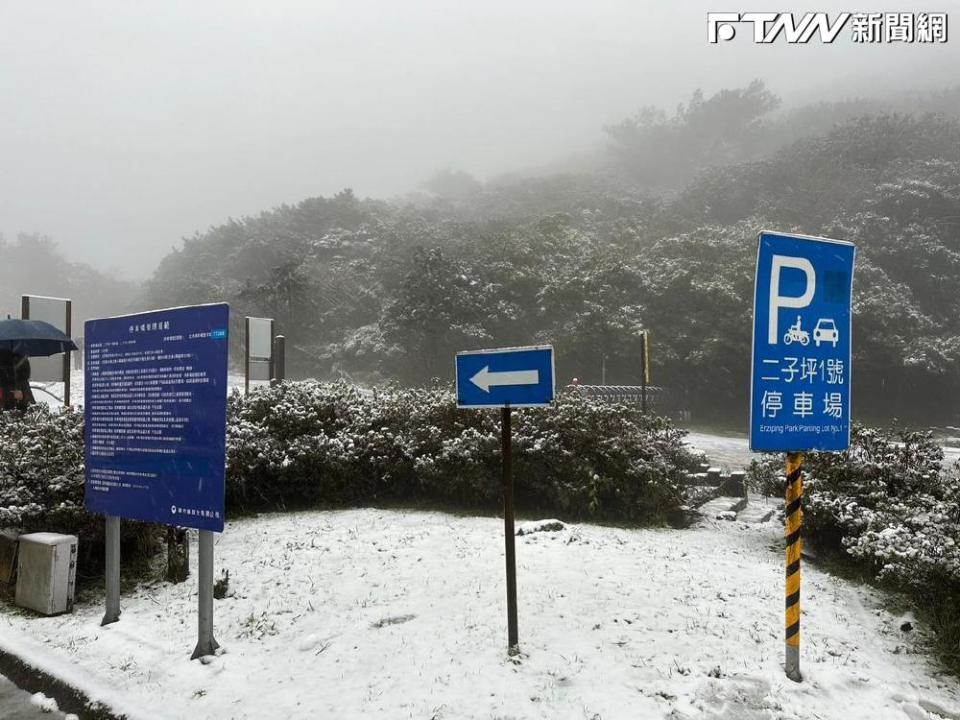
[(387, 614), (731, 452)]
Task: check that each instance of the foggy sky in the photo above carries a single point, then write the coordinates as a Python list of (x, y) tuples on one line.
[(126, 125)]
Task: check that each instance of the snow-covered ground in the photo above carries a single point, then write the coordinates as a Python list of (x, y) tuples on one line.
[(388, 614)]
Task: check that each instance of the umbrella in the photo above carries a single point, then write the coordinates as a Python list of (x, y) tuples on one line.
[(33, 338)]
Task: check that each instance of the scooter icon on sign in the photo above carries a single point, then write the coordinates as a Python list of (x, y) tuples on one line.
[(795, 334)]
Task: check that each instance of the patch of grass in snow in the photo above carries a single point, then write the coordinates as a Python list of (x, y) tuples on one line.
[(394, 620), (256, 627)]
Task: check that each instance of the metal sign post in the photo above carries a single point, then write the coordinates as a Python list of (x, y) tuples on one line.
[(279, 359), (800, 389), (112, 570), (506, 378), (792, 531), (509, 536), (206, 645), (171, 470)]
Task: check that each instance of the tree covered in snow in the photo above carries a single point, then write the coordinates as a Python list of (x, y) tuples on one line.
[(35, 264), (586, 260)]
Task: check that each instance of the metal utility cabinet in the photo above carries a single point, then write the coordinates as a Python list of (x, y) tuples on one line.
[(46, 572)]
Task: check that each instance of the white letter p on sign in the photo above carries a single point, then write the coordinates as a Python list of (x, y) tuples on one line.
[(778, 301)]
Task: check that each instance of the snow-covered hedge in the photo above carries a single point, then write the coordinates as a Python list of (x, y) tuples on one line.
[(41, 467), (310, 442), (41, 484), (887, 503), (314, 444)]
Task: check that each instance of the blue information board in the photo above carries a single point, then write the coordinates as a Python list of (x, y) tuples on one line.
[(800, 392), (514, 377), (155, 413)]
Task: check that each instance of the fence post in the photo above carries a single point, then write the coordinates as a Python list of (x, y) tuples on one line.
[(644, 372)]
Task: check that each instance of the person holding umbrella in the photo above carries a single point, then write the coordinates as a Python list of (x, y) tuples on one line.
[(6, 380), (22, 394), (15, 392), (19, 340)]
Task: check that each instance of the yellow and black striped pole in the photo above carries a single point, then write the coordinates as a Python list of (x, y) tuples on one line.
[(794, 525)]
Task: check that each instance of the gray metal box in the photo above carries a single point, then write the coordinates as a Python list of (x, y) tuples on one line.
[(46, 572)]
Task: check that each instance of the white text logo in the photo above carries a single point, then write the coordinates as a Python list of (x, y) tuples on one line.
[(885, 27)]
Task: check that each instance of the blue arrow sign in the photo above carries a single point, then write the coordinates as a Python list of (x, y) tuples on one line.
[(800, 389), (514, 377)]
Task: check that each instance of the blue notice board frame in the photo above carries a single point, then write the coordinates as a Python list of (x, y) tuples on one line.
[(800, 388), (155, 416)]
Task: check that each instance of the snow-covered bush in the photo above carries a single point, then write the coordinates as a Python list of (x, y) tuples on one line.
[(310, 442), (41, 484), (41, 467), (886, 502)]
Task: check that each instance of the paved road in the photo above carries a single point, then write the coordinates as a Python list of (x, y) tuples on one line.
[(732, 452), (15, 704), (727, 451)]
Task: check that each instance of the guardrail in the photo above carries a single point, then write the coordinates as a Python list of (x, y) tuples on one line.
[(657, 397)]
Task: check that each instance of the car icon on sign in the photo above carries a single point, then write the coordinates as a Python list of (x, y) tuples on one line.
[(825, 331)]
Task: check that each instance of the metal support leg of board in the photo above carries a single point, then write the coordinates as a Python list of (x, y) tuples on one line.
[(112, 571), (206, 645)]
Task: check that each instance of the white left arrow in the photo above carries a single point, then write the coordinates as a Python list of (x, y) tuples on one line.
[(486, 379)]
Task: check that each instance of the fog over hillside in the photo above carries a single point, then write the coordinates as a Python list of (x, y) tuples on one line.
[(131, 127)]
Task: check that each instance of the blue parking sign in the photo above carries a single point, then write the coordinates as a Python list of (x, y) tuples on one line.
[(800, 389)]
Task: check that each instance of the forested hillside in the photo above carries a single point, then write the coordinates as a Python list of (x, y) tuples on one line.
[(659, 235), (33, 264)]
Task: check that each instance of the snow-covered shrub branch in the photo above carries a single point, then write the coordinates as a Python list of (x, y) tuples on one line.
[(310, 442), (888, 502), (318, 444), (41, 484), (41, 465)]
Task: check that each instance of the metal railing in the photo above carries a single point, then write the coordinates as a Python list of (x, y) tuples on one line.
[(657, 397)]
